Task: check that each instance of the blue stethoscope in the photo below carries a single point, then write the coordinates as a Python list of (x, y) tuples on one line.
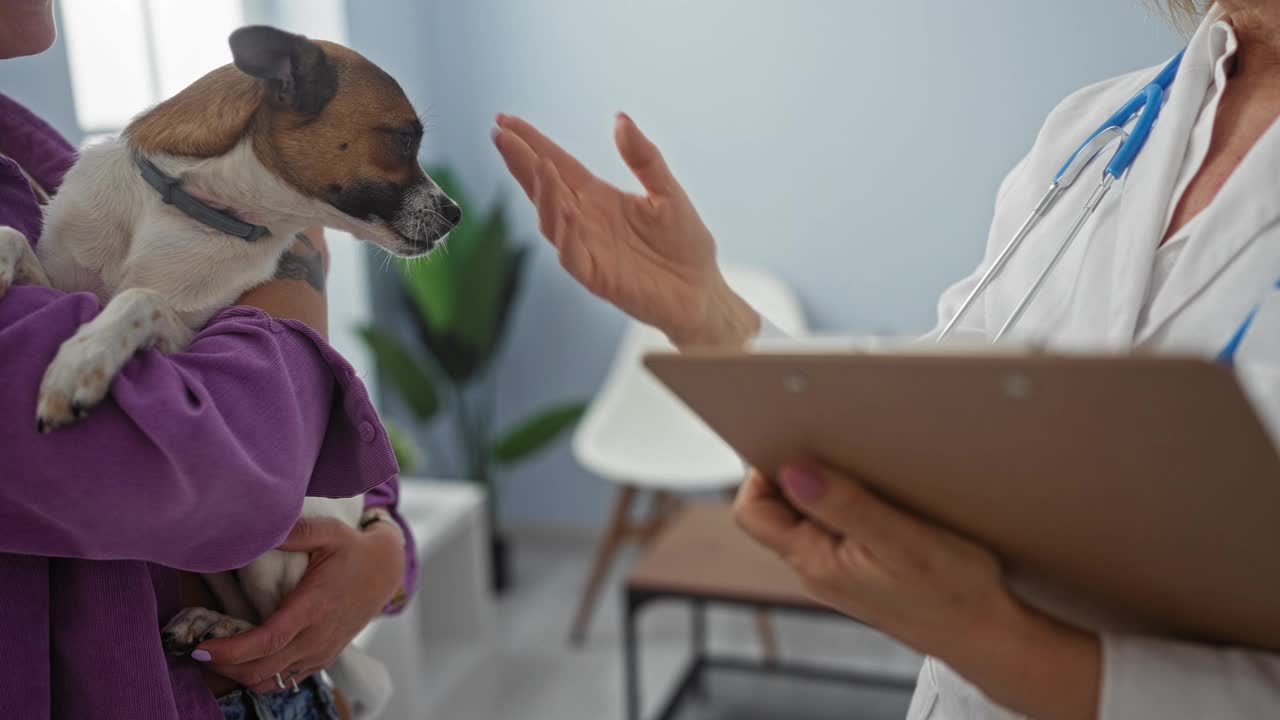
[(1146, 105)]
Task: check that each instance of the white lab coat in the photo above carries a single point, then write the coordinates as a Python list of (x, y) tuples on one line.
[(1112, 293)]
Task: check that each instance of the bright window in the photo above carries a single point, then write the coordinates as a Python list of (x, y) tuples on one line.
[(127, 55)]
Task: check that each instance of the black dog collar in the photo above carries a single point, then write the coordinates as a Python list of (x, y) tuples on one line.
[(171, 192)]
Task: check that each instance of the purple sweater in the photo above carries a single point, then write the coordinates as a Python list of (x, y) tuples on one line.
[(96, 518)]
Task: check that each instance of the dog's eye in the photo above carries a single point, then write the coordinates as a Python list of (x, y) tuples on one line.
[(404, 141), (335, 188), (406, 145)]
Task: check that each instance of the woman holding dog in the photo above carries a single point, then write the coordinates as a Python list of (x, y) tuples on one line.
[(1206, 197), (199, 463)]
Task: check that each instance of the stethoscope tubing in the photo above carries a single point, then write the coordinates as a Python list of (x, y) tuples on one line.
[(1146, 105)]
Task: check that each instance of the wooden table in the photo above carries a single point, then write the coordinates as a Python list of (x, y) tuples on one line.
[(703, 558)]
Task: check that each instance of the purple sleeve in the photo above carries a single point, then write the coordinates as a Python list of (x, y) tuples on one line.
[(197, 460), (387, 495)]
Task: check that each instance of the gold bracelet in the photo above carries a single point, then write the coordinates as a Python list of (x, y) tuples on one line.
[(380, 514)]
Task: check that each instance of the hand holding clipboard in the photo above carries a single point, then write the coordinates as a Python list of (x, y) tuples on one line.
[(1147, 485)]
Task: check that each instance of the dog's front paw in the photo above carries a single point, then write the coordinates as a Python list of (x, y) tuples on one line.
[(78, 378), (194, 625), (82, 371), (18, 263), (12, 245)]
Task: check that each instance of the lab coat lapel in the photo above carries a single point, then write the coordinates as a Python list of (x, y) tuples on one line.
[(1235, 218), (1148, 187)]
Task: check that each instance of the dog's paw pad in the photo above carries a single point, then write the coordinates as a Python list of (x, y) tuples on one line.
[(225, 628), (194, 625), (187, 628), (175, 644)]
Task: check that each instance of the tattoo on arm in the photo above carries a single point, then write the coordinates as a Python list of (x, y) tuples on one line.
[(302, 262)]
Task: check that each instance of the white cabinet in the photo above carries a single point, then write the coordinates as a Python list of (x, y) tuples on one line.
[(443, 634)]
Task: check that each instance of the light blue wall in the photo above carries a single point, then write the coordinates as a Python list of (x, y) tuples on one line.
[(43, 83), (852, 146)]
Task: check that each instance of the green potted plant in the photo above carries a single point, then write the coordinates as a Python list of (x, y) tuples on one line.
[(460, 299)]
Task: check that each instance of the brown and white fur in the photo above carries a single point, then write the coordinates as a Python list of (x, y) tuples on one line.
[(294, 134)]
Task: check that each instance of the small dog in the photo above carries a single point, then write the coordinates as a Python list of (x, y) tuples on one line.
[(197, 203)]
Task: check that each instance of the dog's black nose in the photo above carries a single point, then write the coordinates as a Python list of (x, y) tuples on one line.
[(451, 213)]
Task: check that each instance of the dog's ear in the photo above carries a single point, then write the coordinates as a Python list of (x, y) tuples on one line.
[(294, 70)]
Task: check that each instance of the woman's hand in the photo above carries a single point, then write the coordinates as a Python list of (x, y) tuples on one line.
[(297, 290), (926, 586), (650, 255), (351, 577)]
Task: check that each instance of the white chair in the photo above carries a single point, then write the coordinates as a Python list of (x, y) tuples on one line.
[(637, 434)]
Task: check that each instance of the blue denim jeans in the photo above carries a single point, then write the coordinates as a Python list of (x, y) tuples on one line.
[(313, 701)]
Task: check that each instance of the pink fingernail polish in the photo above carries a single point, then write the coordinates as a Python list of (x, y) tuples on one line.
[(803, 484), (201, 655)]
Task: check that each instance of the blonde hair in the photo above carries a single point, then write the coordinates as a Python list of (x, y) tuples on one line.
[(1185, 14)]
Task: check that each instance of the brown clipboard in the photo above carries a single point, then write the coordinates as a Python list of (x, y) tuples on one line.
[(1147, 485)]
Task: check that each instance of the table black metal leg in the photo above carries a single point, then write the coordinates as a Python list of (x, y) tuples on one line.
[(692, 681), (698, 647), (631, 655)]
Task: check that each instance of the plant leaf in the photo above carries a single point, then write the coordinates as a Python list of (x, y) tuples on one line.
[(536, 433), (397, 365), (431, 287), (457, 361), (453, 290), (481, 268), (408, 454), (507, 297)]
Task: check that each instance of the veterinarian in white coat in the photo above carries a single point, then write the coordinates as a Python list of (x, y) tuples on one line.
[(1184, 249)]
